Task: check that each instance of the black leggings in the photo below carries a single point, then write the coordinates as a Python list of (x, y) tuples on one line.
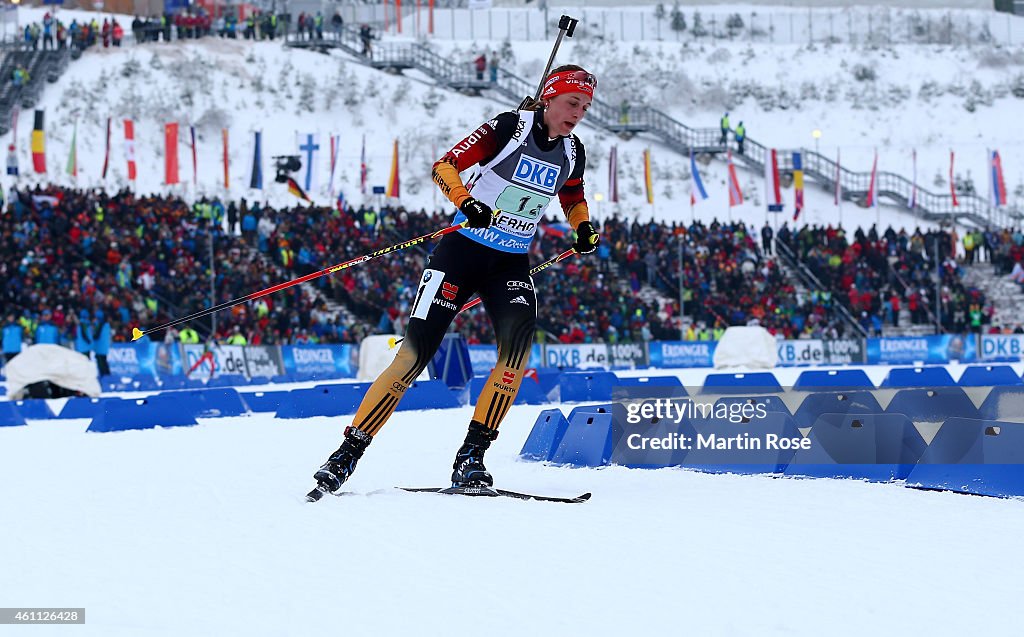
[(457, 269)]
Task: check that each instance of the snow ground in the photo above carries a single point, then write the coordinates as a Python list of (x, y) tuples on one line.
[(204, 531)]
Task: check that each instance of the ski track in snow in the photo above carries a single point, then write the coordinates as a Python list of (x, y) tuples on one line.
[(204, 530)]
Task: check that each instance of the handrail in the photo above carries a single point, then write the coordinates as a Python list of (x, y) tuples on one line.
[(785, 253)]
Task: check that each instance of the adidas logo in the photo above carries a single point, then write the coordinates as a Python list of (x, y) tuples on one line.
[(519, 299)]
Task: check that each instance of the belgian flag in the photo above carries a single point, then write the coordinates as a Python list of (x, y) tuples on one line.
[(38, 144)]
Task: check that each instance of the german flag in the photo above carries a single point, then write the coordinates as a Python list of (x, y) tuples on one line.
[(38, 144), (293, 188)]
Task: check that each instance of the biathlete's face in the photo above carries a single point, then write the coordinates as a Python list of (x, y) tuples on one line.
[(564, 112)]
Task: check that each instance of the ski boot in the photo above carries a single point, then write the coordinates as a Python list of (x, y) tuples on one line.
[(469, 470), (341, 464)]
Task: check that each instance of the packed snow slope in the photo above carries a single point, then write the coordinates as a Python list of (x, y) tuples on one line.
[(204, 531)]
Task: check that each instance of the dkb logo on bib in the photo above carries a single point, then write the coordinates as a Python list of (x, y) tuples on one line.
[(536, 173)]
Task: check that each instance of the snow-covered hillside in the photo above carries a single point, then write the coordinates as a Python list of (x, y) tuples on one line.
[(906, 98)]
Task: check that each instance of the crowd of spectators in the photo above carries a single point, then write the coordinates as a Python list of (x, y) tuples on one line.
[(139, 261), (877, 276)]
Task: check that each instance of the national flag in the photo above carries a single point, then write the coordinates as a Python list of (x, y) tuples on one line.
[(72, 167), (772, 187), (129, 148), (872, 198), (557, 230), (293, 188), (362, 169), (696, 184), (106, 153), (227, 160), (309, 147), (913, 184), (12, 161), (613, 175), (998, 184), (340, 203), (195, 162), (335, 147), (839, 181), (648, 178), (735, 194), (952, 182), (798, 185), (256, 178), (38, 144), (171, 153), (394, 185)]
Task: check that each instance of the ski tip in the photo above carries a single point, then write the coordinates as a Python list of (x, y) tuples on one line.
[(315, 494), (584, 497), (136, 334)]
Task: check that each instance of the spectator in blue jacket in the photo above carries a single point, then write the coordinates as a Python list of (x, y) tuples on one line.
[(101, 342), (47, 332), (83, 334), (12, 337)]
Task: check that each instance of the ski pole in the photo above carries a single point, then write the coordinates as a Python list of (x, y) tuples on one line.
[(137, 333), (566, 27), (392, 342)]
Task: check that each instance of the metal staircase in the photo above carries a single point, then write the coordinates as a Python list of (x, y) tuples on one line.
[(679, 137)]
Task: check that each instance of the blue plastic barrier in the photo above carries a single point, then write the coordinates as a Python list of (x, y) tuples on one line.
[(264, 401), (228, 380), (545, 436), (142, 413), (1003, 403), (833, 379), (323, 400), (649, 387), (529, 391), (649, 442), (586, 386), (849, 402), (33, 409), (989, 376), (918, 377), (451, 362), (548, 380), (982, 457), (875, 447), (932, 405), (745, 383), (10, 416), (145, 383), (282, 378), (769, 403), (80, 407), (431, 394), (207, 403), (745, 457), (587, 441)]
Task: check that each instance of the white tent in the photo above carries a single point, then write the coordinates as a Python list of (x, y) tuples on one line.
[(59, 365)]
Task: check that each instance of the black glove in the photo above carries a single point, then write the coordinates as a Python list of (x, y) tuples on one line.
[(586, 238), (477, 213)]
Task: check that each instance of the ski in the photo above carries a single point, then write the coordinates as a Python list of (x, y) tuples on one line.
[(315, 494), (496, 493)]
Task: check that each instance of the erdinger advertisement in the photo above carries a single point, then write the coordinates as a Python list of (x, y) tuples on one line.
[(336, 360), (485, 357), (135, 359), (682, 353), (941, 348)]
